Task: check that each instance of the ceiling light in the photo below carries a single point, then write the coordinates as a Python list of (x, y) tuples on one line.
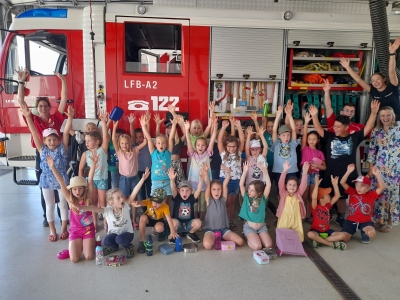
[(288, 15), (141, 9)]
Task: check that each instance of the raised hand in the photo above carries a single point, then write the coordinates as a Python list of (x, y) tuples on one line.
[(181, 119), (50, 161), (286, 166), (307, 118), (261, 131), (317, 180), (103, 116), (131, 118), (376, 171), (212, 106), (375, 106), (344, 62), (225, 169), (393, 47), (249, 130), (25, 110), (313, 110), (351, 168), (254, 116), (143, 120), (279, 111), (306, 166), (171, 173), (262, 166), (22, 73), (232, 119), (238, 124), (146, 174), (94, 157), (327, 86), (225, 124), (245, 166), (187, 125), (334, 180), (171, 109), (70, 112), (157, 119), (205, 167), (289, 107)]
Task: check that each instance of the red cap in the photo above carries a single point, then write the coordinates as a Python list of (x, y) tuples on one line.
[(363, 180)]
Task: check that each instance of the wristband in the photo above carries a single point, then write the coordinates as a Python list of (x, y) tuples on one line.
[(392, 54), (21, 82)]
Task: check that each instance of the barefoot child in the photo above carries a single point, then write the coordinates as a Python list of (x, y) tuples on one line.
[(217, 216), (253, 209), (81, 230), (321, 204)]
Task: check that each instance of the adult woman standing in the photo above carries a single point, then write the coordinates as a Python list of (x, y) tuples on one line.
[(43, 120), (380, 89), (383, 153)]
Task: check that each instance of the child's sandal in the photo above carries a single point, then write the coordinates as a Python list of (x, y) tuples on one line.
[(135, 226), (53, 237), (232, 226), (64, 235), (339, 245)]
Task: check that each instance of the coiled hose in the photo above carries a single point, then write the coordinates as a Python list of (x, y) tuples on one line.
[(380, 29)]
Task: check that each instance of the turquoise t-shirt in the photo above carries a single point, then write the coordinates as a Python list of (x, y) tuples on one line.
[(112, 158), (270, 153), (160, 163), (253, 210)]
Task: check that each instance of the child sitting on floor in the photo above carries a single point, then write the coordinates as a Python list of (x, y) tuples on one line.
[(320, 211)]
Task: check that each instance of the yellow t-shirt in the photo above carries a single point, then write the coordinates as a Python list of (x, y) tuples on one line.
[(155, 214)]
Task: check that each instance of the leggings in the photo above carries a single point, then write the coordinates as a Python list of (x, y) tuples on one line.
[(113, 240), (48, 195)]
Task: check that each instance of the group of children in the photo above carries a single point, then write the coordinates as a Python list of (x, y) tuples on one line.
[(206, 200)]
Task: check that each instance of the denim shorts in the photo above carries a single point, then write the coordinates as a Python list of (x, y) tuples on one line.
[(185, 226), (101, 184), (165, 184), (247, 229), (311, 178), (115, 177), (223, 231), (233, 185), (351, 227), (127, 184)]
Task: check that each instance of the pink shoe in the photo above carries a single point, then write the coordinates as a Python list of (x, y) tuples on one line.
[(63, 254)]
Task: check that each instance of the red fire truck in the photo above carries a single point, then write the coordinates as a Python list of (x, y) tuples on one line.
[(144, 58)]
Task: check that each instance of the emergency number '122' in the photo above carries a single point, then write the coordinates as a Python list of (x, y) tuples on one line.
[(161, 103)]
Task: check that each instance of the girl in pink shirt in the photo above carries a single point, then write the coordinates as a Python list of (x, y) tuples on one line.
[(316, 159)]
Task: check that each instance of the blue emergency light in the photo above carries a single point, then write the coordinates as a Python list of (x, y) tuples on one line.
[(44, 13)]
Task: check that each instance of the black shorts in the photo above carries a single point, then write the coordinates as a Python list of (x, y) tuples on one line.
[(329, 231), (351, 227), (153, 223)]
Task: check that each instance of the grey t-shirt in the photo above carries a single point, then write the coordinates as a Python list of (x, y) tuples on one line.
[(284, 152), (217, 216)]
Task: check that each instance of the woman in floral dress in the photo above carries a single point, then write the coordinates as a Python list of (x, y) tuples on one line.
[(384, 152)]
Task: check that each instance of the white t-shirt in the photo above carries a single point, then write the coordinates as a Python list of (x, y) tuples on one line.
[(118, 223), (254, 172)]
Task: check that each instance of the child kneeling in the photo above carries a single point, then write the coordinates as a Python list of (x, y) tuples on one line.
[(217, 216), (183, 213), (320, 211)]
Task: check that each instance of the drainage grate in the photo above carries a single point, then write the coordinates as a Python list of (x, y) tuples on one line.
[(330, 274)]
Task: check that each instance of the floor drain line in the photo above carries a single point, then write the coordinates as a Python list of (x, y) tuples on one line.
[(330, 274)]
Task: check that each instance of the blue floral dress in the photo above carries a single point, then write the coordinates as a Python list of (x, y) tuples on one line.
[(47, 179), (384, 153)]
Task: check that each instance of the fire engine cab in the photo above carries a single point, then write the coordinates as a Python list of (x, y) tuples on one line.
[(146, 55)]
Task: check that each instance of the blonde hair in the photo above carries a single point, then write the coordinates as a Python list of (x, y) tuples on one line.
[(110, 193), (89, 125), (162, 136), (201, 139), (194, 123), (379, 124), (125, 136)]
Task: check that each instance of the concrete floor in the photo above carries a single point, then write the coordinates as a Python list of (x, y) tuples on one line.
[(30, 268)]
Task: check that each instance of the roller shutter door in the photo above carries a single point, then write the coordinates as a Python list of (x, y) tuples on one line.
[(238, 51)]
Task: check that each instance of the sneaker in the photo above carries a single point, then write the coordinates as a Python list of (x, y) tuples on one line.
[(129, 251), (141, 249), (153, 231), (101, 217), (172, 241), (108, 251), (315, 244), (193, 237), (271, 253), (45, 223), (339, 245), (340, 221), (161, 237), (365, 238)]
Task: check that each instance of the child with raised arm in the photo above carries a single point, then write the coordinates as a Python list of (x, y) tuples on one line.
[(254, 208), (284, 145), (291, 208), (230, 151), (78, 193), (316, 159), (321, 205), (255, 155), (361, 206), (160, 156), (53, 146), (95, 141), (217, 216), (184, 202), (198, 156)]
